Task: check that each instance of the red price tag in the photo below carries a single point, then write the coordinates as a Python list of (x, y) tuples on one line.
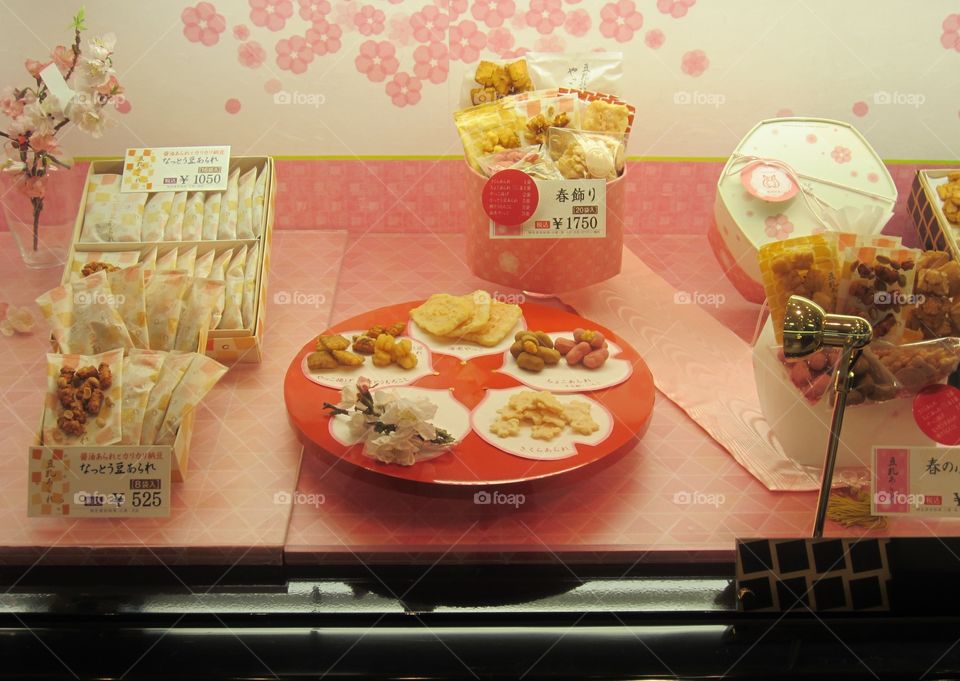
[(936, 410), (510, 197)]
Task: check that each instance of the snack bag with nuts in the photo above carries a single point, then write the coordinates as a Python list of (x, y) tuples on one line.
[(248, 305), (259, 201), (805, 266), (173, 230), (917, 365), (877, 284), (219, 273), (949, 193), (545, 109), (84, 318), (83, 399), (245, 205), (587, 155), (129, 294), (164, 303), (936, 312), (109, 214), (229, 208), (141, 368), (812, 375), (193, 218), (488, 128), (872, 381), (211, 215), (233, 296), (155, 216), (598, 71), (201, 297), (171, 373), (492, 81), (201, 375), (84, 263)]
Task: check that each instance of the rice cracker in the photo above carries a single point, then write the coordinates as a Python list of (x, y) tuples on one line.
[(442, 313), (482, 304), (503, 318)]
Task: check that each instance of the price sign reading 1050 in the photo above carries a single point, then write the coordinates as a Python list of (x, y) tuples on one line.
[(207, 178)]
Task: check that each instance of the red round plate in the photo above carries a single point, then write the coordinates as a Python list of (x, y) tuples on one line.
[(473, 461)]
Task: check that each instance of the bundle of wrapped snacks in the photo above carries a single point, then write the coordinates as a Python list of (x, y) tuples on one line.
[(911, 298), (108, 398), (113, 216)]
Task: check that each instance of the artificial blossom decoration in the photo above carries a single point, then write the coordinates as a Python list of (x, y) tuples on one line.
[(37, 116)]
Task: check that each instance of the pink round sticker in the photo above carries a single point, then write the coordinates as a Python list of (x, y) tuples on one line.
[(768, 182), (510, 197), (936, 410)]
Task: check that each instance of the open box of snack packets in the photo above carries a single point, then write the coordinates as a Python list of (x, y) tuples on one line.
[(220, 236), (568, 137), (792, 177), (912, 300), (934, 206)]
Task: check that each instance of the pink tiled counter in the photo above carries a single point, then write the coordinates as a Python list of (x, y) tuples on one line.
[(234, 506), (678, 495)]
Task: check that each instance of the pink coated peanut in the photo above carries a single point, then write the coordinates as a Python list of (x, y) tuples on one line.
[(595, 359), (578, 352), (563, 345)]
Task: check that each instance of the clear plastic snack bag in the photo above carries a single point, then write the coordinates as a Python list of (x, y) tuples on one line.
[(164, 303), (812, 375), (129, 292), (598, 71), (84, 263), (201, 375), (83, 316), (201, 297), (579, 154), (229, 208), (193, 218), (171, 373), (488, 128), (211, 215), (545, 109), (141, 369), (494, 80), (245, 205), (233, 296), (877, 284), (918, 365), (173, 230), (155, 216), (83, 401), (111, 215)]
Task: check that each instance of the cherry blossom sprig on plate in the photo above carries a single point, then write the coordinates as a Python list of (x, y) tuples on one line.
[(37, 116)]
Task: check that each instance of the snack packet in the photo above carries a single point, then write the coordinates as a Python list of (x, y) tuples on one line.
[(877, 284), (805, 266), (578, 154), (812, 375), (259, 201), (129, 294), (167, 262), (488, 128), (227, 226), (149, 261), (171, 373), (84, 318), (86, 262), (173, 230), (82, 405), (141, 369), (245, 205), (604, 116), (917, 365), (872, 381), (164, 303), (248, 306), (186, 259), (155, 216), (193, 218), (597, 71), (211, 215), (204, 265), (201, 375), (109, 214), (219, 273), (492, 81), (936, 312), (201, 297), (233, 296), (544, 110)]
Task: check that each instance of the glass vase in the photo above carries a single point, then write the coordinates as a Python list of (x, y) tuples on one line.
[(47, 245)]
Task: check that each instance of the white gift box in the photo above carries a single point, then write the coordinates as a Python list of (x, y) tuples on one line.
[(793, 177)]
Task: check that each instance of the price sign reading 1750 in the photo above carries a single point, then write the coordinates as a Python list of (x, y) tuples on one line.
[(575, 222)]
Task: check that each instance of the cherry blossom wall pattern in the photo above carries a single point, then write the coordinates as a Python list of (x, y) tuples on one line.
[(401, 51)]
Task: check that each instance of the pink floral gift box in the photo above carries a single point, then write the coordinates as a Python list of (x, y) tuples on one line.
[(792, 177)]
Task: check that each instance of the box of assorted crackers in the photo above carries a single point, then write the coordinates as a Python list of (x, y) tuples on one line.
[(214, 235), (934, 205)]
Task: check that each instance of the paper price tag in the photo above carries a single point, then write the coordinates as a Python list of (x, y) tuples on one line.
[(176, 169), (115, 482), (567, 209), (916, 481)]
